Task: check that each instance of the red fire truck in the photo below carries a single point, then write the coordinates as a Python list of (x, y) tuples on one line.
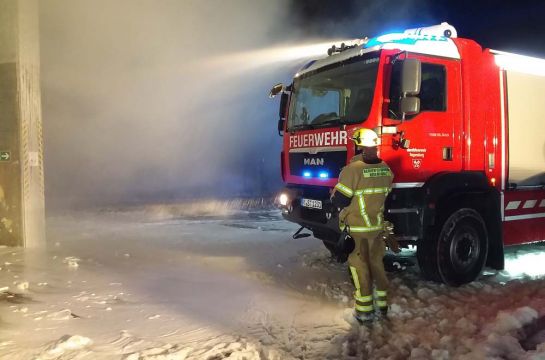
[(462, 127)]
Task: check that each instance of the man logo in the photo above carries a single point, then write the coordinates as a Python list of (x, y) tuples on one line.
[(314, 161)]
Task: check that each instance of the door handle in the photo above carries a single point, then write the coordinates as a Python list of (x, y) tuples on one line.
[(447, 153)]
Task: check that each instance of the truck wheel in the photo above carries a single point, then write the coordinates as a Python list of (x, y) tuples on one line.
[(462, 247)]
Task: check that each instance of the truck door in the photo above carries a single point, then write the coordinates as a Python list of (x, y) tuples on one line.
[(434, 134)]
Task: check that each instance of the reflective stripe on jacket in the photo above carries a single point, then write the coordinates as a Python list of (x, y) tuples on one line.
[(367, 185)]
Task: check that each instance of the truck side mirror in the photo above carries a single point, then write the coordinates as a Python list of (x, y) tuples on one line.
[(276, 89), (283, 105), (411, 77), (410, 105), (281, 127), (282, 112)]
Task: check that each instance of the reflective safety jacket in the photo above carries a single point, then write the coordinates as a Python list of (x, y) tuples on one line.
[(367, 185)]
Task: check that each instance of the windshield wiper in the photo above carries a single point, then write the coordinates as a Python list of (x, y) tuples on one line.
[(301, 127), (336, 121)]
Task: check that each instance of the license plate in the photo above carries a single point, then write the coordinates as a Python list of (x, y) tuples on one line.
[(310, 203)]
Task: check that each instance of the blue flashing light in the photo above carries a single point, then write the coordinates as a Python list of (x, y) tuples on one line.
[(401, 38), (323, 175), (307, 174)]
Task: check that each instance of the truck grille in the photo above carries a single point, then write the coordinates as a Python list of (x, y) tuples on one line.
[(330, 162)]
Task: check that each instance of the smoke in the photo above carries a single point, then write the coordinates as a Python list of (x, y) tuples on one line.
[(146, 100), (157, 100)]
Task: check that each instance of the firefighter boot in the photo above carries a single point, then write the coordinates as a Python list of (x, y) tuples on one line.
[(383, 313), (364, 311), (364, 317)]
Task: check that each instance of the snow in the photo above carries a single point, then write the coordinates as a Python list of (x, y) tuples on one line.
[(65, 345), (218, 282)]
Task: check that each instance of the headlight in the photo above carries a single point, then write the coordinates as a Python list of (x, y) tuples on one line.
[(283, 199)]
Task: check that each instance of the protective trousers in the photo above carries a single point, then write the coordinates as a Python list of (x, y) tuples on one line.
[(366, 265)]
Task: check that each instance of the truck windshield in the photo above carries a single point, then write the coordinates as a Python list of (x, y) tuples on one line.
[(338, 94)]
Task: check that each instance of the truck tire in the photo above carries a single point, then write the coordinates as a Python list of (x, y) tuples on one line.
[(462, 247), (457, 253)]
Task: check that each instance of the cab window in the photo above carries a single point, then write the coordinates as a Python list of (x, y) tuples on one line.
[(432, 90)]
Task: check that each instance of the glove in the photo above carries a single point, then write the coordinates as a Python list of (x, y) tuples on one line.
[(389, 238), (392, 243)]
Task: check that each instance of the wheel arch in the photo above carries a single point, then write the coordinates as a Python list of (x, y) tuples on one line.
[(446, 192)]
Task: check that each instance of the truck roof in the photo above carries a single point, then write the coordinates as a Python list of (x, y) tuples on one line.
[(419, 43), (433, 40)]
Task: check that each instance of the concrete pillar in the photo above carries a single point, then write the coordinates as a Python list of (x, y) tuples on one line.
[(22, 218)]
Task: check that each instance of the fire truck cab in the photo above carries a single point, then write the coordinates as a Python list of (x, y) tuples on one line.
[(461, 127)]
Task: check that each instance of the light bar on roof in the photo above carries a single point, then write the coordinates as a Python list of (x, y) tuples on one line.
[(442, 30)]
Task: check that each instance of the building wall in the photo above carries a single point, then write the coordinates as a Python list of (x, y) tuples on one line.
[(21, 176)]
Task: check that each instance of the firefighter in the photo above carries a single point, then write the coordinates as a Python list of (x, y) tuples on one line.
[(360, 193)]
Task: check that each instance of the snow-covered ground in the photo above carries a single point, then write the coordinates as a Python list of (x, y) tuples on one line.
[(211, 282)]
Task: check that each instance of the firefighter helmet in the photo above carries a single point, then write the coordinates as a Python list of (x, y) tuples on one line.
[(365, 137)]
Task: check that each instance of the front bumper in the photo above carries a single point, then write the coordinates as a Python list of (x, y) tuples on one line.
[(402, 209), (323, 224)]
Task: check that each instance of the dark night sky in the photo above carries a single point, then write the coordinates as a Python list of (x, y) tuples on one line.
[(517, 26)]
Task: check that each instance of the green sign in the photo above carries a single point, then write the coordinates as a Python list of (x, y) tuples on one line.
[(376, 172), (5, 156)]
